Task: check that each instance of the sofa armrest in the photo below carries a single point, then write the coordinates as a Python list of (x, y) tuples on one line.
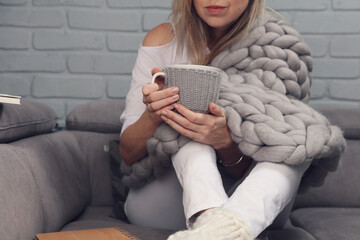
[(57, 184), (95, 147)]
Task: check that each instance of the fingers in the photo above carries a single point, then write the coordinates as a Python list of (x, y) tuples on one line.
[(160, 112), (200, 118), (196, 132), (157, 105), (191, 125), (197, 118), (150, 88), (178, 123), (156, 115), (155, 70), (159, 98), (216, 110), (159, 80), (204, 128), (162, 94)]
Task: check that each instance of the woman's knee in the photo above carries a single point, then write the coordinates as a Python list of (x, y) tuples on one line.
[(193, 152)]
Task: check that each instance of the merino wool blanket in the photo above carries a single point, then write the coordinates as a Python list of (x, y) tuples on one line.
[(264, 90)]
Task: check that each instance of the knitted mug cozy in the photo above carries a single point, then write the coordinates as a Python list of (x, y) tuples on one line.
[(199, 85)]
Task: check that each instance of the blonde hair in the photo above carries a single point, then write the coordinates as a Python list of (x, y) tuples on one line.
[(189, 27)]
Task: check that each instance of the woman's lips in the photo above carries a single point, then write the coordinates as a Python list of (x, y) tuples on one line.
[(214, 10)]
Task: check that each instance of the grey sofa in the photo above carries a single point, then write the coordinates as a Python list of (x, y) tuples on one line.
[(55, 179)]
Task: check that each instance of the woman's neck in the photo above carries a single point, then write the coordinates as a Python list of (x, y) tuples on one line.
[(215, 36)]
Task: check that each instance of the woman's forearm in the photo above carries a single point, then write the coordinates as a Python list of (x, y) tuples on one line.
[(230, 155), (134, 138)]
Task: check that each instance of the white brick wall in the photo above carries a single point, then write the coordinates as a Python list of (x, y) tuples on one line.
[(68, 52)]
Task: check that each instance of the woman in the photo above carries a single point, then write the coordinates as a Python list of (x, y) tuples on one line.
[(200, 30)]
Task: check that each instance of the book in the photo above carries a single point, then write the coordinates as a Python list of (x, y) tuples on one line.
[(115, 233), (5, 98)]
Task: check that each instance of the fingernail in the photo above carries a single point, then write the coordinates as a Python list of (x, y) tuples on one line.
[(175, 90), (164, 113), (175, 97)]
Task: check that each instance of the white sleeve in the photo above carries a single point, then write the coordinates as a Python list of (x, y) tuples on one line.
[(265, 192), (141, 75)]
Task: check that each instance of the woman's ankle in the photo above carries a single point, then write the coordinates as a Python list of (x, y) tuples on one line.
[(193, 218)]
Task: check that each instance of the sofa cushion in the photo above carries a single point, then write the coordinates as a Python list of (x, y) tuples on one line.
[(293, 233), (341, 188), (329, 223), (29, 118), (99, 116)]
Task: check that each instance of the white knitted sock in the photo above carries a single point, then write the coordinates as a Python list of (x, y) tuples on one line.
[(216, 224)]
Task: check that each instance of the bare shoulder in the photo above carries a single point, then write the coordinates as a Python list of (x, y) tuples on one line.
[(159, 35)]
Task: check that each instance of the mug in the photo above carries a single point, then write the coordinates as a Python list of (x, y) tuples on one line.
[(199, 85)]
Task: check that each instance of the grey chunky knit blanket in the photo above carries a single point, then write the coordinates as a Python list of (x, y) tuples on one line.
[(264, 90)]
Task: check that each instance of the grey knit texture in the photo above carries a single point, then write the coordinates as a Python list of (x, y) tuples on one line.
[(198, 86), (264, 90)]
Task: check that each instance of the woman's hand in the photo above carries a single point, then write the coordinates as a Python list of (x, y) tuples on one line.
[(134, 138), (158, 99), (204, 128), (212, 130)]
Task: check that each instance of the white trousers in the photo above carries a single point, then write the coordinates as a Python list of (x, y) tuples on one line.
[(258, 197)]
